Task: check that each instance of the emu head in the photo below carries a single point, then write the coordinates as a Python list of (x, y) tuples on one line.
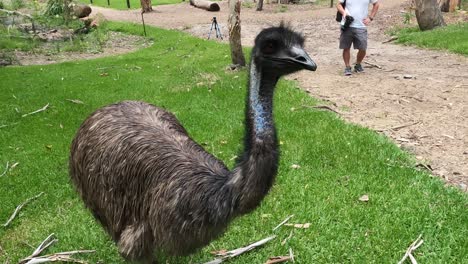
[(280, 51)]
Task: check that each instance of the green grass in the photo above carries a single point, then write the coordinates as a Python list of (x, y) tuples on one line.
[(338, 162), (452, 37), (134, 4)]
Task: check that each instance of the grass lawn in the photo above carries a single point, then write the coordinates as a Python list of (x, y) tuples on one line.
[(338, 162), (452, 37), (134, 4)]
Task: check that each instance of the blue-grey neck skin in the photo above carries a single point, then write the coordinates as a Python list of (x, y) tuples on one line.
[(260, 103), (256, 169)]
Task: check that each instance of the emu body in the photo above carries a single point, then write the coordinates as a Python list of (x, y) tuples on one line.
[(153, 188)]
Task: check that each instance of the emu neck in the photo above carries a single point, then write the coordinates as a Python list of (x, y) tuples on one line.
[(254, 174), (260, 103)]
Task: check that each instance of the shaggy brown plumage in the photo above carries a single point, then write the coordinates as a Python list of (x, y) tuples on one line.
[(153, 188)]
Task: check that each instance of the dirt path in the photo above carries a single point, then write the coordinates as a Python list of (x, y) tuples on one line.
[(419, 98)]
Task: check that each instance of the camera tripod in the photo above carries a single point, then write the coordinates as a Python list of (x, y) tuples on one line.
[(214, 24)]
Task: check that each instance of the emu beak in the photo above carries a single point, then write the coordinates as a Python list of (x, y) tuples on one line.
[(300, 57)]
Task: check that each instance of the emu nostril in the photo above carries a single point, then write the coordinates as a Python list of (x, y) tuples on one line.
[(301, 58)]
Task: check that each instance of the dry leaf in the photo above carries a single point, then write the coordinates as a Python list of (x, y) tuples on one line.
[(278, 259), (48, 147), (266, 215), (295, 166), (305, 225), (364, 198), (104, 74)]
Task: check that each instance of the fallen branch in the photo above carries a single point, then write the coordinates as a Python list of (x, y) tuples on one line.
[(45, 244), (305, 226), (18, 208), (37, 111), (403, 126), (61, 256), (278, 259), (390, 40), (417, 243), (20, 14), (284, 222), (75, 101), (6, 169), (322, 107), (16, 13), (373, 65), (239, 251), (395, 128)]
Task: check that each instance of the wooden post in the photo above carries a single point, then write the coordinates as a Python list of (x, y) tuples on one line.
[(331, 3), (108, 2), (128, 3), (91, 1)]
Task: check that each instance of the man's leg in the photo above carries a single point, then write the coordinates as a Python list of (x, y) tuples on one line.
[(347, 57), (360, 56), (345, 44), (360, 43)]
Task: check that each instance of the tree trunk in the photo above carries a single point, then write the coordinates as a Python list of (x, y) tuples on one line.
[(428, 14), (260, 5), (234, 22), (146, 6)]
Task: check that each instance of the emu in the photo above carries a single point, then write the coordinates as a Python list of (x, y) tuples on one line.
[(155, 189)]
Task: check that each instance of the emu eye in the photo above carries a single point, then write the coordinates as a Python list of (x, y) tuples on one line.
[(269, 48)]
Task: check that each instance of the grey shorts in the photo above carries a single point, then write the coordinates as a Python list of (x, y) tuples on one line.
[(357, 36)]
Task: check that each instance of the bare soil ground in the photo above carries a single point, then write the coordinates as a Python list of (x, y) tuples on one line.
[(117, 43), (418, 97)]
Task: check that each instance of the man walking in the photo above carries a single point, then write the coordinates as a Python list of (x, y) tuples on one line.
[(356, 32)]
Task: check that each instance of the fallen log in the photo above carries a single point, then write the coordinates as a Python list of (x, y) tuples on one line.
[(205, 4)]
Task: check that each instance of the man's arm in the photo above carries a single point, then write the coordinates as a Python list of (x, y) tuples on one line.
[(340, 8), (375, 8)]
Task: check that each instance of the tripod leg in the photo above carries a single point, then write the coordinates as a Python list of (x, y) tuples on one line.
[(209, 34), (219, 31)]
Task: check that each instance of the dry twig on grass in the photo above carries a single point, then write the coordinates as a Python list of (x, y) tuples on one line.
[(6, 169), (238, 251), (324, 107), (75, 101), (45, 244), (286, 239), (284, 222), (37, 111), (18, 208), (278, 259), (417, 243), (390, 40), (61, 256), (304, 226)]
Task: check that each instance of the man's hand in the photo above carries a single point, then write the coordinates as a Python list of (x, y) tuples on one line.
[(366, 21)]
